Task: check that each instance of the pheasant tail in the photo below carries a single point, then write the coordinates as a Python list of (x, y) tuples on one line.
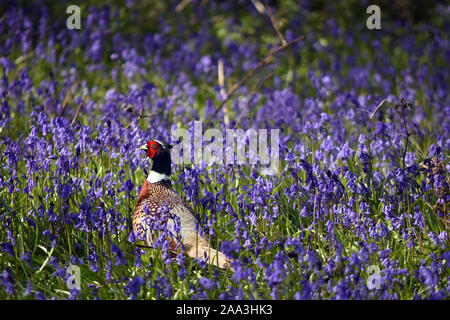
[(201, 247)]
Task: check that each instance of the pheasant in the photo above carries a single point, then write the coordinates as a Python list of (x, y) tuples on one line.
[(157, 193)]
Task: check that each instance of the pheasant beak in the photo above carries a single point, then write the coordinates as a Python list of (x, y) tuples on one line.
[(143, 147)]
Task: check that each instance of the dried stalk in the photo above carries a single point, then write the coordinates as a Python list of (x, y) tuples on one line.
[(221, 80), (78, 111), (376, 109), (67, 98), (180, 7)]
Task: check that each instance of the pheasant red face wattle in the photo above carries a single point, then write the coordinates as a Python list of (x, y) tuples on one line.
[(152, 148)]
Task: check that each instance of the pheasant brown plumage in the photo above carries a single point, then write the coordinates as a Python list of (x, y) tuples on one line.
[(158, 193)]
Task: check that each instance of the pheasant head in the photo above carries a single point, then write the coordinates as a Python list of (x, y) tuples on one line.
[(159, 153)]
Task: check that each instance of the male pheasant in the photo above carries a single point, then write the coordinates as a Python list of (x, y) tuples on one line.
[(156, 193)]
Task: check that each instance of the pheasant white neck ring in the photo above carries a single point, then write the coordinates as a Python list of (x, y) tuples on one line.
[(154, 177)]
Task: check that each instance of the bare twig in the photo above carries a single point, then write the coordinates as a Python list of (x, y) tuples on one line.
[(78, 111), (265, 61), (144, 246), (139, 116), (401, 111), (67, 98), (274, 23)]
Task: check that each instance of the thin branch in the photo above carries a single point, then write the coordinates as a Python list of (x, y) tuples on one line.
[(145, 246), (401, 111), (274, 23), (78, 111), (67, 98), (265, 61), (139, 116)]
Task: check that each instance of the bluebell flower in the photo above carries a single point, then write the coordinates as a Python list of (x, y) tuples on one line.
[(7, 281), (8, 248), (207, 283), (446, 256), (40, 296), (226, 247), (134, 286)]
